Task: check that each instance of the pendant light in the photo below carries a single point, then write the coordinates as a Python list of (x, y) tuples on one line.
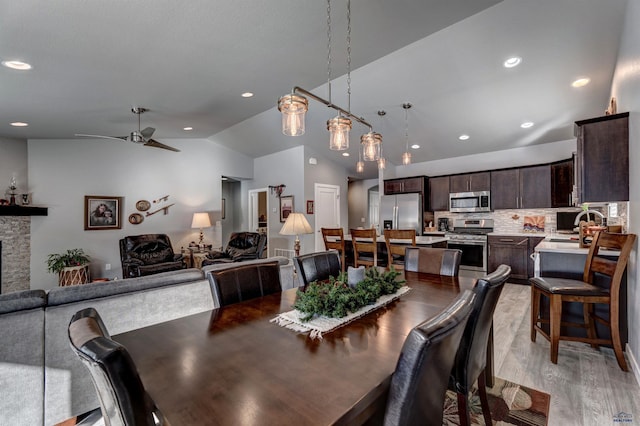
[(339, 126), (406, 157), (382, 163), (360, 163), (371, 143), (293, 108)]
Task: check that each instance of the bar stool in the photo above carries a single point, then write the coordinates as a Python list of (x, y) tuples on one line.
[(402, 238), (591, 290), (334, 244), (365, 252)]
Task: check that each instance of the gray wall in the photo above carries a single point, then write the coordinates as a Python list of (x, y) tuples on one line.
[(13, 162), (359, 202), (62, 172), (626, 89)]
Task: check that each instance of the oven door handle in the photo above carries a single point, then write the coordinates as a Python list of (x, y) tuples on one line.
[(468, 243)]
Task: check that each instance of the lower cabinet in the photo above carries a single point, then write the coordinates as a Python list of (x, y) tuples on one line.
[(514, 251)]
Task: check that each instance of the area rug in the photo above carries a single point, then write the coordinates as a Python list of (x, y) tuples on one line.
[(510, 404)]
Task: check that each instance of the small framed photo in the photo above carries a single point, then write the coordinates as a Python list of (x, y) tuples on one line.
[(309, 206), (102, 212), (286, 207)]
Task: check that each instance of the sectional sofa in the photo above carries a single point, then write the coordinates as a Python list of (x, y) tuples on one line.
[(42, 381)]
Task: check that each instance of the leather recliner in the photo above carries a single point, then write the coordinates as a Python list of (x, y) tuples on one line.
[(241, 246), (148, 254)]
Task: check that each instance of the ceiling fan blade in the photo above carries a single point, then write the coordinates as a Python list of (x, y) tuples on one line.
[(147, 132), (82, 135), (156, 144)]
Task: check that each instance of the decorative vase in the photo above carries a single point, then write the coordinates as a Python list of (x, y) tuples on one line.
[(73, 275)]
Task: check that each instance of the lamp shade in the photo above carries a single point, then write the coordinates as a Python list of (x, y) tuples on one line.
[(201, 220), (296, 224), (371, 145), (293, 108)]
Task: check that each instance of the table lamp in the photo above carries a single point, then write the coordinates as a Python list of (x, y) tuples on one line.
[(296, 224), (201, 220)]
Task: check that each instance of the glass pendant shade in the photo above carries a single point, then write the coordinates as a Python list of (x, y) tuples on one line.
[(339, 128), (382, 163), (293, 108), (360, 167), (406, 158), (371, 146)]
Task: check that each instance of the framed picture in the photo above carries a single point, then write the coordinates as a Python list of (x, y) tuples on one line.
[(309, 206), (224, 208), (102, 212), (286, 207)]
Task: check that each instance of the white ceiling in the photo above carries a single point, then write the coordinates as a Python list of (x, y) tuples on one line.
[(188, 63)]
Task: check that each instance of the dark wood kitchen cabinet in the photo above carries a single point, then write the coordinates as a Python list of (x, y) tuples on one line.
[(470, 182), (512, 251), (603, 158), (521, 188), (505, 189), (439, 193), (404, 185), (562, 183)]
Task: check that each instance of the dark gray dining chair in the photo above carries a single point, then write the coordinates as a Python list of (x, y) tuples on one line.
[(123, 399), (471, 359), (318, 266), (244, 282), (419, 383), (433, 260)]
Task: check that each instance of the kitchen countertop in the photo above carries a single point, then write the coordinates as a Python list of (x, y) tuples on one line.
[(552, 245), (420, 240)]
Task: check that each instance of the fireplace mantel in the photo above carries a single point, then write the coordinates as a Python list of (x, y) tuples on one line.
[(23, 211)]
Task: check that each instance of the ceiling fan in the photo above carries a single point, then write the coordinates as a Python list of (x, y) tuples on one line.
[(137, 136)]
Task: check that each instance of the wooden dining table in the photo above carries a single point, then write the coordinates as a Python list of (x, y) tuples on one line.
[(233, 366)]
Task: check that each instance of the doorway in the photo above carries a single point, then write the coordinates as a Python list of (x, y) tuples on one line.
[(327, 210), (259, 213)]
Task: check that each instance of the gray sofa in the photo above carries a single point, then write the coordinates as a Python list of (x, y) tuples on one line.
[(42, 380)]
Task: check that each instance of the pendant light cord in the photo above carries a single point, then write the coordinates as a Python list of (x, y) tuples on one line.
[(329, 47), (349, 55)]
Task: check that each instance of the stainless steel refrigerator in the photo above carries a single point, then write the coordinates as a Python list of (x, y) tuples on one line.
[(402, 211)]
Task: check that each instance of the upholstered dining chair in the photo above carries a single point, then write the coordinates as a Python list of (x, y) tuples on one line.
[(123, 399), (365, 247), (433, 260), (471, 358), (334, 240), (317, 266), (600, 284), (244, 282), (419, 383), (396, 248)]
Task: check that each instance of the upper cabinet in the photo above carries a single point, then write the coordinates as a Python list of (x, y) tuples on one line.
[(521, 188), (470, 182), (439, 193), (602, 160), (404, 185), (562, 183)]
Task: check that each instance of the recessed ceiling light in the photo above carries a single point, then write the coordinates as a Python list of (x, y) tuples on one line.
[(187, 128), (463, 137), (526, 124), (581, 82), (345, 154), (19, 124), (512, 62), (17, 65), (415, 146), (247, 94)]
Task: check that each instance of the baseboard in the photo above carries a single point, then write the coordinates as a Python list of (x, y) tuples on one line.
[(633, 364)]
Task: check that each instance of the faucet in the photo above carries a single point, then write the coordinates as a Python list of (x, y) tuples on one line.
[(582, 213)]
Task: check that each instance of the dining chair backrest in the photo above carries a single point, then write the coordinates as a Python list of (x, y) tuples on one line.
[(433, 260), (244, 282), (396, 248), (317, 266), (365, 247), (334, 240), (419, 383), (123, 399), (612, 268)]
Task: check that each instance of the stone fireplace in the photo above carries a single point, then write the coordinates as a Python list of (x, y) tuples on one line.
[(15, 255)]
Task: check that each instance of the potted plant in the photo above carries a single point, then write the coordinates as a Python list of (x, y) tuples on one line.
[(71, 266)]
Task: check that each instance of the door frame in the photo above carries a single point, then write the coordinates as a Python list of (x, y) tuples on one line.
[(253, 210), (316, 187)]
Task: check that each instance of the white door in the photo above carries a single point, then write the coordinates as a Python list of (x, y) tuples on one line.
[(327, 210)]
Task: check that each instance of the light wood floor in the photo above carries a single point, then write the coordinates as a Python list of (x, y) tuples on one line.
[(586, 386)]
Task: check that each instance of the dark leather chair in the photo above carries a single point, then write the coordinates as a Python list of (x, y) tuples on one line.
[(123, 399), (419, 383), (244, 282), (471, 359), (433, 260), (148, 254), (600, 284), (318, 266), (241, 246)]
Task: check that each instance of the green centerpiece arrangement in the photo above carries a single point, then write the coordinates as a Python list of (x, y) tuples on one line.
[(336, 298)]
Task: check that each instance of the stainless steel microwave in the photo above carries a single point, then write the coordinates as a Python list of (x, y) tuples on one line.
[(462, 202)]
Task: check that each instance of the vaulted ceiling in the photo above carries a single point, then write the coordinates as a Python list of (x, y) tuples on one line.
[(189, 63)]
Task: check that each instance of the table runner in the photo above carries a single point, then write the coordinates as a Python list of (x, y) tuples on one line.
[(318, 325)]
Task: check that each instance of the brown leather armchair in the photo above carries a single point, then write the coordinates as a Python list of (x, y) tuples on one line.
[(241, 246), (148, 254)]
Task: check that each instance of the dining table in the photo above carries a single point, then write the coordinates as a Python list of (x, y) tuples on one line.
[(234, 366)]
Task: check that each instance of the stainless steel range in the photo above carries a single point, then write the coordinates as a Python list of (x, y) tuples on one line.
[(470, 236)]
